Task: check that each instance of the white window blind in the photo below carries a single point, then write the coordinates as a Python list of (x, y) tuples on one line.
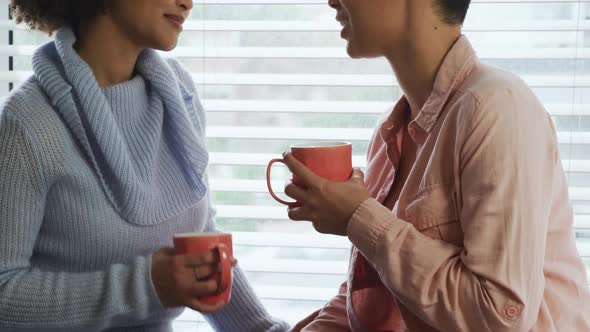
[(275, 72)]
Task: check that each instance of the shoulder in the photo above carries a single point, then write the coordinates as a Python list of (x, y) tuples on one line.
[(26, 122), (27, 104), (499, 93), (496, 109), (491, 96), (29, 114)]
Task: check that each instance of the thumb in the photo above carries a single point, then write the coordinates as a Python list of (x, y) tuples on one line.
[(358, 176)]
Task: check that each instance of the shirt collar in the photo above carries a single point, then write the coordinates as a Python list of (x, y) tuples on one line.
[(456, 66)]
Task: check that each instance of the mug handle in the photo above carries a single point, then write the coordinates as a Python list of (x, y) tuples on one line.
[(268, 184), (226, 268)]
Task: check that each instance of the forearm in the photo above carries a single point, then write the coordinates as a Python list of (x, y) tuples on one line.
[(436, 284), (33, 298)]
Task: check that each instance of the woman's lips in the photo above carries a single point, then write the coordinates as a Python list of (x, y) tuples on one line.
[(345, 27), (176, 20)]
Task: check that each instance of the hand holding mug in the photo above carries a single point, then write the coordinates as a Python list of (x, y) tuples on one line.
[(326, 189), (196, 273), (329, 205)]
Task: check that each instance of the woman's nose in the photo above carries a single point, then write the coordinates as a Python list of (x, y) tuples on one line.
[(334, 3), (185, 4)]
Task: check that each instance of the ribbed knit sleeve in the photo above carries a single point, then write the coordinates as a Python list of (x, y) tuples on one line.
[(33, 298)]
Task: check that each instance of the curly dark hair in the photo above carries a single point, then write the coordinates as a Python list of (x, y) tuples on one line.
[(453, 11), (50, 15)]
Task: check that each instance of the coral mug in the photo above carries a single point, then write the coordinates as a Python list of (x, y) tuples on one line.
[(221, 243), (330, 160)]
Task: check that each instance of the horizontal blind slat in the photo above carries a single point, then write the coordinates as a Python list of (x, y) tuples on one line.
[(300, 266), (262, 159), (351, 107), (338, 134), (328, 52), (333, 106), (279, 212), (259, 186), (334, 80), (277, 239), (333, 26)]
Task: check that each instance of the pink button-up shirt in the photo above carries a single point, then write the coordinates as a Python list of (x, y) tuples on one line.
[(481, 237)]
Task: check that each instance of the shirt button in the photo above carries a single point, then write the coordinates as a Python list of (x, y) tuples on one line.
[(512, 312), (412, 132)]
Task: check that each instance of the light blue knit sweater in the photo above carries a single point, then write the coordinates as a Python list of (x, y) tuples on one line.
[(92, 182)]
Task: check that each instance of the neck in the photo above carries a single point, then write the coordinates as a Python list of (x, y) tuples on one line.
[(416, 64), (107, 50)]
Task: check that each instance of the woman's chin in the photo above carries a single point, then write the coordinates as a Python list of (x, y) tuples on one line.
[(354, 51), (166, 45)]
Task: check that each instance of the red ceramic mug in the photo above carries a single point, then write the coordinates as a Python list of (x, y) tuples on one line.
[(186, 243), (330, 160)]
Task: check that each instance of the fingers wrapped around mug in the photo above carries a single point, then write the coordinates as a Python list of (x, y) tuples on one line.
[(197, 273), (299, 194), (194, 273), (180, 280)]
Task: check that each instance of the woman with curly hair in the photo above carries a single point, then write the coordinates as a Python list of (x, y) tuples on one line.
[(102, 160)]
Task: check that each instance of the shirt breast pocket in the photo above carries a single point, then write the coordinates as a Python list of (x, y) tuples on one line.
[(434, 212)]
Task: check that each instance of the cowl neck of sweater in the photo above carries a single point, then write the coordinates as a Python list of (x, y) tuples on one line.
[(142, 194)]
